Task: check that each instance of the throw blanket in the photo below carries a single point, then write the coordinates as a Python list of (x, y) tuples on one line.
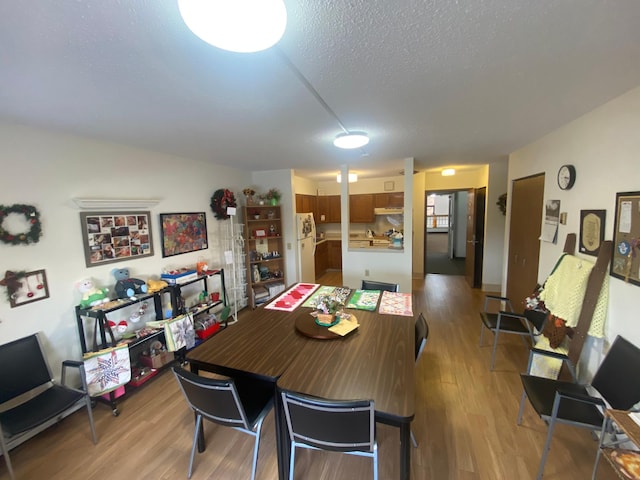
[(564, 290)]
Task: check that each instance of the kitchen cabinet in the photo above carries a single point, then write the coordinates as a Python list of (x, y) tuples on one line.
[(389, 200), (328, 209), (334, 254), (322, 258), (306, 204), (361, 208)]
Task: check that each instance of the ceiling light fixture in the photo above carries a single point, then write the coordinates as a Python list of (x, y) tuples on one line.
[(448, 172), (351, 140), (242, 26), (353, 177)]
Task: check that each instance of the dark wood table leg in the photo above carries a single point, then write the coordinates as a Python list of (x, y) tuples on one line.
[(405, 451)]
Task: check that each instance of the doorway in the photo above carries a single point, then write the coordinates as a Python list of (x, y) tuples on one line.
[(445, 218)]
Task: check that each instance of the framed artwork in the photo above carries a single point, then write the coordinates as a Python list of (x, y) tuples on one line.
[(183, 233), (25, 287), (114, 237), (591, 231), (625, 263)]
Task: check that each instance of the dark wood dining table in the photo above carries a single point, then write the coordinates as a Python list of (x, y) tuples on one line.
[(376, 361)]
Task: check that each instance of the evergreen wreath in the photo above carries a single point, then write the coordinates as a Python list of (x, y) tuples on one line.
[(32, 216), (220, 200)]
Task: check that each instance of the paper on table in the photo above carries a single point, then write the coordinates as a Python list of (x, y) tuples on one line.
[(345, 326)]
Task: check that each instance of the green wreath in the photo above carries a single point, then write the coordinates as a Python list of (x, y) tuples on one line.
[(33, 217), (220, 200)]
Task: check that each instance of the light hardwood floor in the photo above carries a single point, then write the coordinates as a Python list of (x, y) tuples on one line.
[(465, 421)]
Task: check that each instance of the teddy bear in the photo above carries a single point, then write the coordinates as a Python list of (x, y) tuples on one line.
[(127, 287), (91, 295)]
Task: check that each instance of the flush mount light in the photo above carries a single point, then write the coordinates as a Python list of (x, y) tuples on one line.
[(448, 172), (351, 140), (353, 177), (236, 25)]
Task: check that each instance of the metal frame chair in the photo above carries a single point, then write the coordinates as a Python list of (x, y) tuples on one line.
[(422, 333), (30, 399), (226, 403), (508, 321), (557, 401), (373, 285), (346, 426)]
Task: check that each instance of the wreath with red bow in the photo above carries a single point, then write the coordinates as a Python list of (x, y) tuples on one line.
[(220, 200)]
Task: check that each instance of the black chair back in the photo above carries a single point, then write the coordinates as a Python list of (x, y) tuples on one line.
[(342, 426), (373, 285), (215, 399), (617, 377), (24, 368), (422, 333)]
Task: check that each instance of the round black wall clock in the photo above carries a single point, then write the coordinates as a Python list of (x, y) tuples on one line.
[(566, 177)]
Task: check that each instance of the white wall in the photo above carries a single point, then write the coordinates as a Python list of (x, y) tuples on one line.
[(604, 146), (48, 170), (494, 227)]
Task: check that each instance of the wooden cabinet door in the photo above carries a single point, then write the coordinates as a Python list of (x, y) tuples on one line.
[(322, 209), (361, 208), (322, 258), (299, 203), (381, 200), (396, 199), (335, 213), (335, 254)]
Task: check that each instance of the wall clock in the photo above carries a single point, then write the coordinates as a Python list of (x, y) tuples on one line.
[(566, 177)]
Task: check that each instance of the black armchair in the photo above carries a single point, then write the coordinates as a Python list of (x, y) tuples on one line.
[(225, 402), (507, 321), (30, 400), (346, 426), (558, 401)]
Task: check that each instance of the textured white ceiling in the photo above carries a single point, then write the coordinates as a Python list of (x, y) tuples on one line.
[(446, 82)]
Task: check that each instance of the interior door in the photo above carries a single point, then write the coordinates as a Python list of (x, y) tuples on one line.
[(476, 199), (527, 201)]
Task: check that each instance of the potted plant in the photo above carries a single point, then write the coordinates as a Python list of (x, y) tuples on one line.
[(249, 193), (327, 307), (255, 214), (273, 196)]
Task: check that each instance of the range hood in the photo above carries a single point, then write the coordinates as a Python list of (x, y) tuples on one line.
[(388, 211)]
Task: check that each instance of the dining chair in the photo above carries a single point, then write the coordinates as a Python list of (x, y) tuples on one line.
[(373, 285), (30, 399), (422, 333), (346, 426), (526, 325), (222, 401), (557, 401)]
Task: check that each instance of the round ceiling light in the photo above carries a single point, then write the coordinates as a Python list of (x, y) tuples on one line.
[(351, 140), (242, 26)]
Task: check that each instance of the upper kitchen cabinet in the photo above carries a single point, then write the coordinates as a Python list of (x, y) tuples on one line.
[(306, 204), (389, 200), (361, 208), (328, 209)]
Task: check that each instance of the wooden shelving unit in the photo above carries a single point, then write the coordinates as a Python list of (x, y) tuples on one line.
[(631, 432), (264, 253)]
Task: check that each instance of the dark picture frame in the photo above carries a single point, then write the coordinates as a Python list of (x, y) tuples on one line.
[(183, 233), (110, 237), (592, 223), (625, 263), (28, 288)]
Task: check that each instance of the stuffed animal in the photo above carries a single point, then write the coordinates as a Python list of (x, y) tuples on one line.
[(156, 285), (127, 287), (91, 295)]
